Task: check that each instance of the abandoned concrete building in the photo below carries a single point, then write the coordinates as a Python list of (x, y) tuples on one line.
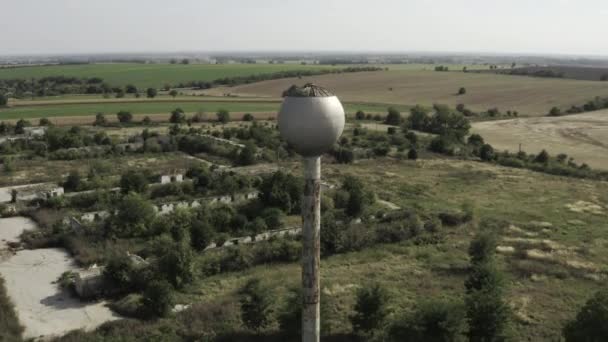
[(89, 283), (172, 178), (40, 191)]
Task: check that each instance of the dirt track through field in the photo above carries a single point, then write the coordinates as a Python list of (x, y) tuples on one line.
[(583, 136)]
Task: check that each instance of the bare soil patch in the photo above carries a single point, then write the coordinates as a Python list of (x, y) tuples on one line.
[(583, 136)]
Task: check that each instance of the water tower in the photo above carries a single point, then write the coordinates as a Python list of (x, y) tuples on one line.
[(311, 119)]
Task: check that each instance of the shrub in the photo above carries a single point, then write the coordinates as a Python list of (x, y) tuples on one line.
[(486, 153), (256, 305), (151, 93), (412, 154), (412, 138), (358, 196), (555, 112), (542, 157), (177, 116), (475, 140), (482, 248), (248, 117), (124, 116), (119, 273), (434, 321), (157, 299), (381, 150), (462, 91), (370, 308), (590, 322), (133, 181), (177, 265), (201, 234), (223, 116), (393, 117), (360, 115), (73, 182)]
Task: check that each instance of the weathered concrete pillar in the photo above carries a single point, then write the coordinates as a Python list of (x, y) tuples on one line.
[(311, 250)]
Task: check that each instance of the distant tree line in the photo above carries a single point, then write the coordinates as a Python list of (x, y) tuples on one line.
[(596, 104), (237, 80)]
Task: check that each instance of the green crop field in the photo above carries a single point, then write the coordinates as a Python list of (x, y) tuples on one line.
[(149, 107), (151, 75)]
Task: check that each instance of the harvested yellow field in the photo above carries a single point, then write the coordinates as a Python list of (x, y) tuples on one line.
[(527, 95), (583, 136)]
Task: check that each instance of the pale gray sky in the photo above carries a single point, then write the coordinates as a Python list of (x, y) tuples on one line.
[(512, 26)]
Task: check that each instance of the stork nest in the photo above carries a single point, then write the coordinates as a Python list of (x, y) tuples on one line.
[(307, 90)]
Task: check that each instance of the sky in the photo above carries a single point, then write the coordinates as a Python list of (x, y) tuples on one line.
[(571, 27)]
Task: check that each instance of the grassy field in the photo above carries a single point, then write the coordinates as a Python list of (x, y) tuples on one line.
[(543, 293), (151, 75), (529, 96), (583, 136), (541, 300)]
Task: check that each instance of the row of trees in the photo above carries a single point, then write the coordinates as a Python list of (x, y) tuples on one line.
[(484, 315)]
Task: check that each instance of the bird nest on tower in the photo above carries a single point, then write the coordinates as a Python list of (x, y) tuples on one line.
[(307, 90)]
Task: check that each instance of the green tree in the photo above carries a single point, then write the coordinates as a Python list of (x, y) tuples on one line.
[(20, 126), (462, 91), (360, 115), (3, 100), (393, 117), (133, 181), (73, 182), (119, 273), (418, 119), (359, 198), (590, 322), (177, 265), (248, 117), (412, 154), (44, 122), (247, 155), (486, 153), (177, 116), (487, 312), (482, 248), (555, 112), (173, 93), (542, 157), (281, 190), (100, 120), (157, 299), (131, 89), (223, 116), (133, 217), (151, 93), (434, 321), (475, 140), (256, 305), (370, 308), (201, 234), (124, 116)]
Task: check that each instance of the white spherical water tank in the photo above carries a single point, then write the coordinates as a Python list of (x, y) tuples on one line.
[(311, 119)]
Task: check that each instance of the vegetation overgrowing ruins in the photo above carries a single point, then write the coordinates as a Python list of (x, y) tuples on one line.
[(188, 222)]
